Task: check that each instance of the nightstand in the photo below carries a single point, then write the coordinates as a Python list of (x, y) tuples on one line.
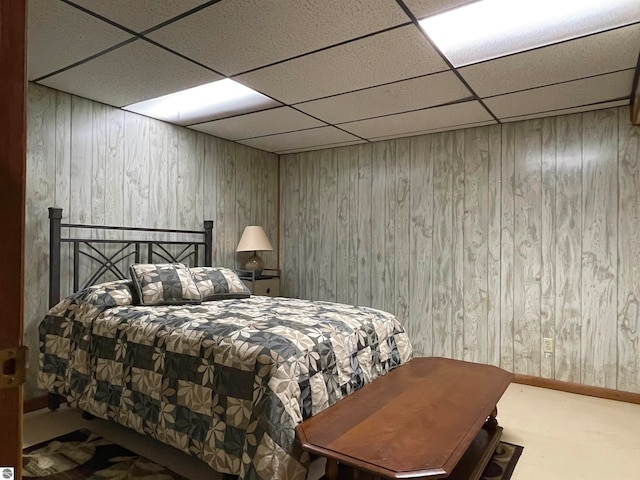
[(266, 283)]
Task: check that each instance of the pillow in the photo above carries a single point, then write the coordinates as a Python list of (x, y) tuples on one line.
[(164, 283), (217, 283), (102, 296)]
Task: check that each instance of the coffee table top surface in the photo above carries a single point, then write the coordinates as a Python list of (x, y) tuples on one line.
[(415, 422)]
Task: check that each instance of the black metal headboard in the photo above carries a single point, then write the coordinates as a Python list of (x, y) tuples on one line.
[(113, 255)]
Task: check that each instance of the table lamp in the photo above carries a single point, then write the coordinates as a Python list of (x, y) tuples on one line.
[(253, 240)]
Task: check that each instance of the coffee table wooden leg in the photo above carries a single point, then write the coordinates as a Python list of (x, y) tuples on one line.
[(492, 422), (331, 470)]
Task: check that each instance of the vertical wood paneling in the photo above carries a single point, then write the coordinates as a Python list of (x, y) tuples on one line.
[(227, 209), (379, 283), (290, 231), (198, 213), (442, 245), (187, 185), (62, 160), (475, 266), (402, 234), (352, 160), (269, 201), (137, 163), (390, 230), (394, 224), (507, 248), (104, 165), (628, 255), (548, 237), (304, 253), (343, 222), (493, 247), (599, 248), (81, 168), (527, 256), (114, 173), (98, 177), (39, 190), (364, 224), (244, 173), (81, 159), (161, 158), (423, 316), (313, 206), (326, 260), (99, 165), (62, 173), (171, 157), (568, 248), (497, 218), (457, 253), (211, 192)]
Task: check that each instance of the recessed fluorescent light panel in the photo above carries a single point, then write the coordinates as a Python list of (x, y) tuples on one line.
[(207, 102), (493, 28)]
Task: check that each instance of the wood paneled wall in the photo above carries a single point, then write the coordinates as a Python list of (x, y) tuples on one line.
[(103, 165), (483, 241)]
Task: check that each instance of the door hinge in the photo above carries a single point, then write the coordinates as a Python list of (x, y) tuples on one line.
[(13, 362)]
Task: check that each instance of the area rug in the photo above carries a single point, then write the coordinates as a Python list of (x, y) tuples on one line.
[(503, 461), (84, 455)]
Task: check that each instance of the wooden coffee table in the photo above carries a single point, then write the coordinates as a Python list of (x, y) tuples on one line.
[(430, 418)]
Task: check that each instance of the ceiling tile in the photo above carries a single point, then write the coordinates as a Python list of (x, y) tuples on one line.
[(321, 147), (564, 95), (138, 71), (594, 55), (436, 130), (387, 57), (60, 35), (414, 94), (266, 122), (139, 15), (567, 111), (419, 121), (426, 8), (303, 139), (233, 37)]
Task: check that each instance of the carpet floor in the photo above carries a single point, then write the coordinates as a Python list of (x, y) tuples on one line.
[(84, 455)]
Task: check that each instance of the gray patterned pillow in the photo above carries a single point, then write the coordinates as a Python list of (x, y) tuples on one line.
[(217, 283), (164, 283)]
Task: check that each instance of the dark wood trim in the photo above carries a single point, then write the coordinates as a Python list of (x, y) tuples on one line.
[(600, 392), (13, 134)]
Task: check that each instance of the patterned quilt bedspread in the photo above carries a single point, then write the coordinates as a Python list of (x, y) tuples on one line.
[(226, 381)]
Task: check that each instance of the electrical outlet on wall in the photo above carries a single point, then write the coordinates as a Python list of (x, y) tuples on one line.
[(547, 345)]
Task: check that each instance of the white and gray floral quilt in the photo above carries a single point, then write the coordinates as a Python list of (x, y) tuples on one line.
[(226, 381)]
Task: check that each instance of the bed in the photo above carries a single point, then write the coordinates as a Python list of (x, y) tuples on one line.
[(226, 379)]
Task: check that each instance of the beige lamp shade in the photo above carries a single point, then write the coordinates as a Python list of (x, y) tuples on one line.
[(253, 240)]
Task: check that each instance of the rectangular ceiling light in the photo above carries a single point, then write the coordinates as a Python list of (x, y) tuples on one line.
[(493, 28), (210, 101)]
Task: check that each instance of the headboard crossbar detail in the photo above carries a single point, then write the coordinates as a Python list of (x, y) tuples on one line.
[(113, 256)]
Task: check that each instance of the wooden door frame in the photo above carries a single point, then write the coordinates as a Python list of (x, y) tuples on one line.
[(12, 213)]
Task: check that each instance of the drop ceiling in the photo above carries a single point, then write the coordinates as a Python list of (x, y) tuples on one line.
[(339, 72)]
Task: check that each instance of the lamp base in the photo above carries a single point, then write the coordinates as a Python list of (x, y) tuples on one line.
[(254, 263)]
